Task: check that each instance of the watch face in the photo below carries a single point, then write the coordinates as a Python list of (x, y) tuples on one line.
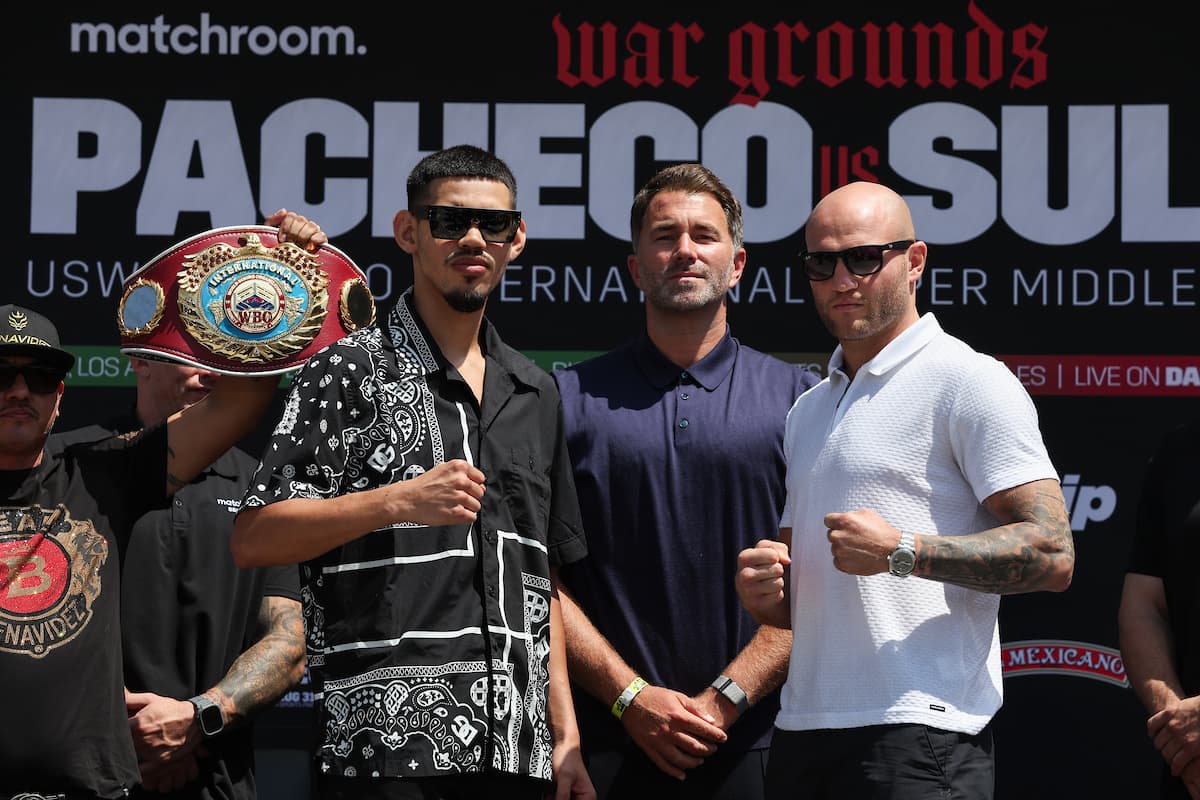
[(212, 721), (901, 561)]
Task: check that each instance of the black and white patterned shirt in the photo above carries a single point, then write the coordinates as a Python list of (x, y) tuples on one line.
[(429, 646)]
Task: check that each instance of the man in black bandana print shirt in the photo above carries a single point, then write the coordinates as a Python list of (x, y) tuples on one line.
[(420, 477)]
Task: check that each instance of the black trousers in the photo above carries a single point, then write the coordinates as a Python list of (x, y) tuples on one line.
[(626, 774), (881, 762)]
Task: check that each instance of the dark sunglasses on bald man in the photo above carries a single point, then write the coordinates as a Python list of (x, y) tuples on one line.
[(864, 260), (495, 225), (39, 379)]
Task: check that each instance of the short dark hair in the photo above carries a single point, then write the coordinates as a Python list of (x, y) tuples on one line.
[(690, 178), (459, 161)]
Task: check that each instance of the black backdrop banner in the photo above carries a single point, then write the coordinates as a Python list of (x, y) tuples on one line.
[(1046, 152)]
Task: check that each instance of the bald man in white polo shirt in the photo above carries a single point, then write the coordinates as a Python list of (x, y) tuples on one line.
[(919, 490)]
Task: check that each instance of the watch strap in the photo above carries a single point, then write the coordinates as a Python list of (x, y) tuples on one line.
[(730, 690)]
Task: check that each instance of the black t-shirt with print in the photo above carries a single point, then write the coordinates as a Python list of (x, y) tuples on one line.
[(62, 525)]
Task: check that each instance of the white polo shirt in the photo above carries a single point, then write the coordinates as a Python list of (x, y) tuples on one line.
[(926, 430)]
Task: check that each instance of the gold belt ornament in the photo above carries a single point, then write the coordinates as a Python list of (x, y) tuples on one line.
[(237, 300)]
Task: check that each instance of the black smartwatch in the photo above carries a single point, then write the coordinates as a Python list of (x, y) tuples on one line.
[(209, 715)]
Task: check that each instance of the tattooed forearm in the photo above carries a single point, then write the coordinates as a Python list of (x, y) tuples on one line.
[(1032, 551), (269, 667)]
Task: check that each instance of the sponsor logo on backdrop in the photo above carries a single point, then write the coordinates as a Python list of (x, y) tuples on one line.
[(1062, 657), (1101, 375), (211, 38), (1087, 503)]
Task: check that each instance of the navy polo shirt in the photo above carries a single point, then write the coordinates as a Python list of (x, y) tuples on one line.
[(677, 470)]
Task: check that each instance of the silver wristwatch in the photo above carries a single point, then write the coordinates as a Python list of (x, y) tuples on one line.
[(904, 557), (729, 689)]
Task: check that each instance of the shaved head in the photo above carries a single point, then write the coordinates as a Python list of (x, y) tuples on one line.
[(866, 210)]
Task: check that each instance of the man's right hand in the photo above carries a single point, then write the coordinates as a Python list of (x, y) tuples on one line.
[(298, 229), (671, 729), (760, 582), (448, 494)]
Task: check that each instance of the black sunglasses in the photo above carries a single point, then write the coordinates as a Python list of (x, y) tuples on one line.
[(40, 380), (864, 260), (495, 225)]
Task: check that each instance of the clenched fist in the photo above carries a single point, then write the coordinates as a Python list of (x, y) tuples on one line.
[(761, 582)]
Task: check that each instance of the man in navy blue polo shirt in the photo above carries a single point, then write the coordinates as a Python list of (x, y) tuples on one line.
[(677, 445)]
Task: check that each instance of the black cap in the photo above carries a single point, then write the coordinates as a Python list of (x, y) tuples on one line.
[(28, 333)]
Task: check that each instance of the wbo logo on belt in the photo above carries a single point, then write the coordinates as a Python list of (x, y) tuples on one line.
[(235, 300)]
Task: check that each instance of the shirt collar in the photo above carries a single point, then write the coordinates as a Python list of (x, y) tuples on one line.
[(404, 325), (709, 372), (898, 350)]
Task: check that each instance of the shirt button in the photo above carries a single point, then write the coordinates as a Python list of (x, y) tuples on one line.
[(683, 423), (684, 377), (492, 591), (685, 396)]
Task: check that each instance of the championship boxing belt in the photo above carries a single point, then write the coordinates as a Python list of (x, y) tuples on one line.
[(237, 301)]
